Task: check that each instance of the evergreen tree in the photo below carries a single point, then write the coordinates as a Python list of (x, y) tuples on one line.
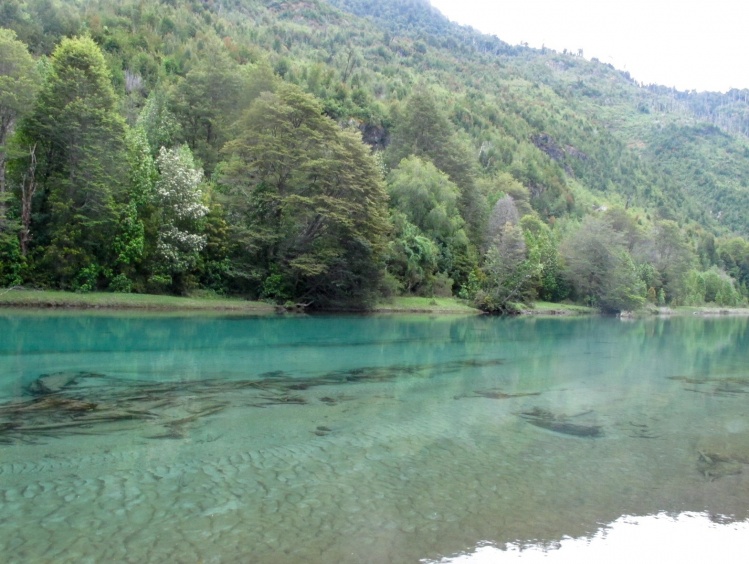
[(425, 131), (82, 166), (18, 86)]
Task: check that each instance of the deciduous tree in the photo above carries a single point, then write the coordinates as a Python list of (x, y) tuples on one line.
[(180, 204), (600, 269), (306, 202)]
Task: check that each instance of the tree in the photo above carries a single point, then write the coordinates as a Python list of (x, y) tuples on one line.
[(158, 123), (733, 254), (504, 212), (425, 131), (180, 203), (429, 200), (509, 272), (137, 225), (542, 245), (81, 170), (412, 256), (306, 203), (600, 269), (18, 87), (710, 286), (672, 255), (206, 102)]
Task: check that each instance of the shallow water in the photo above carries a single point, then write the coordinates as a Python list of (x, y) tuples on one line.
[(359, 439)]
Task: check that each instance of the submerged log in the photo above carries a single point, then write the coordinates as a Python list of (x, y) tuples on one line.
[(53, 383), (565, 428), (496, 394), (545, 419)]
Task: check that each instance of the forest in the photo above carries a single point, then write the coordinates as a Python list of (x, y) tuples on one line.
[(337, 153)]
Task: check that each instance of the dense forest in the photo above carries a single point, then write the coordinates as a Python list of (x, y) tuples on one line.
[(337, 153)]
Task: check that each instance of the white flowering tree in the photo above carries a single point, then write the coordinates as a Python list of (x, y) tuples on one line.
[(180, 199)]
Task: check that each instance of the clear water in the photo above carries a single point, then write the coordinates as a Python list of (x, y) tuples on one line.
[(360, 439)]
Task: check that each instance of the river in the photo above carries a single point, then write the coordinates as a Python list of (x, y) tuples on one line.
[(404, 438)]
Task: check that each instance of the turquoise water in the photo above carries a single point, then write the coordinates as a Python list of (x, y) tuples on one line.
[(359, 439)]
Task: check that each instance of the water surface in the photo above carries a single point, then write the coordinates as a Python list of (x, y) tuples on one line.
[(359, 439)]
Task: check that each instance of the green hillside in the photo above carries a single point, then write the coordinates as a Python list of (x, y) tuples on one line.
[(499, 173)]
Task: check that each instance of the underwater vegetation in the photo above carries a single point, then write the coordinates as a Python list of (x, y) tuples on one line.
[(79, 403), (723, 386), (714, 465), (496, 393)]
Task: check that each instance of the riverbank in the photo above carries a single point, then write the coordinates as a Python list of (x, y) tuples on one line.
[(706, 310), (414, 304), (41, 299), (48, 299)]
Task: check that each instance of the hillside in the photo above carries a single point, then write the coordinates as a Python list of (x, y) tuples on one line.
[(565, 138)]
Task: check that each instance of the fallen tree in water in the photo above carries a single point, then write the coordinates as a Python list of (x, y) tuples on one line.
[(560, 423)]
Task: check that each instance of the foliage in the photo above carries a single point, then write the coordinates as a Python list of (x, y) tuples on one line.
[(18, 87), (509, 270), (268, 98), (81, 159), (412, 257), (305, 202), (600, 269), (429, 200), (711, 286), (179, 200)]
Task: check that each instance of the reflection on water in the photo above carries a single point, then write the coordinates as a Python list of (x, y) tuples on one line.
[(364, 439), (688, 537)]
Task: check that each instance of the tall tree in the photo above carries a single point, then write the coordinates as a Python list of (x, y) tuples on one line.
[(81, 164), (429, 200), (158, 123), (306, 201), (504, 212), (206, 102), (18, 87), (412, 257), (181, 205), (600, 269), (509, 271), (672, 255), (542, 246), (425, 131)]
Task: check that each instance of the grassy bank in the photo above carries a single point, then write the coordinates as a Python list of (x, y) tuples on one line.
[(105, 300), (548, 308), (706, 310), (22, 298), (413, 304), (40, 299)]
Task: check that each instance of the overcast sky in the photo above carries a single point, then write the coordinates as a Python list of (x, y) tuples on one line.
[(692, 45)]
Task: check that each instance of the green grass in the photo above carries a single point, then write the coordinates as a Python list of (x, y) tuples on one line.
[(413, 304), (549, 308), (703, 310), (103, 300)]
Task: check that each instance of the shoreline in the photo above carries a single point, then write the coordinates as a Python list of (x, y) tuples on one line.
[(40, 300)]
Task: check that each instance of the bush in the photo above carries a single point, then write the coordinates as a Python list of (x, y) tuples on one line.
[(121, 284)]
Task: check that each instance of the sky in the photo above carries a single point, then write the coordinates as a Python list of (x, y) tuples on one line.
[(688, 44)]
